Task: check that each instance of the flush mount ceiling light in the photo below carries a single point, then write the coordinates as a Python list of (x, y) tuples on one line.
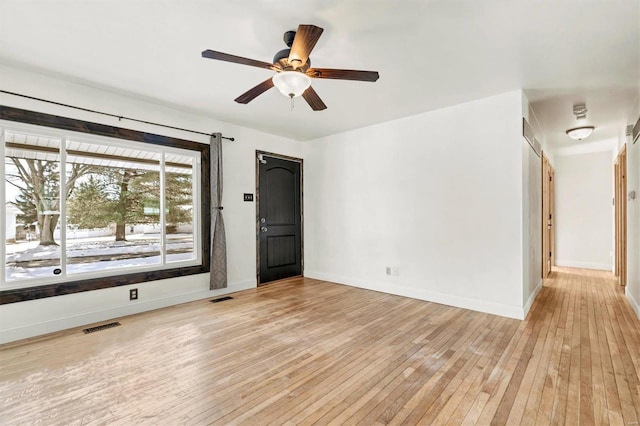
[(582, 132), (579, 133), (291, 83)]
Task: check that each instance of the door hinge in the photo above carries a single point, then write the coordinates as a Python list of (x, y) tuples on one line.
[(549, 254), (261, 159)]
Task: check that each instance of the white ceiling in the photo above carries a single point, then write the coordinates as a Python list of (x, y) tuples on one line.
[(430, 54)]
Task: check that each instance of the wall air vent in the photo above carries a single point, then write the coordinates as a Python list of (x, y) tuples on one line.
[(101, 327), (221, 299), (636, 131), (527, 132)]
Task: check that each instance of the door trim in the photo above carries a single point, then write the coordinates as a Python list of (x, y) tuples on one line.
[(548, 217), (257, 221), (620, 215)]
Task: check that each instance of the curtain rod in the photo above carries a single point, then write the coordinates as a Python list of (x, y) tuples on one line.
[(119, 117)]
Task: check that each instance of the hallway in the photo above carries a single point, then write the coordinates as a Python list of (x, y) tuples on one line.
[(578, 355), (304, 351)]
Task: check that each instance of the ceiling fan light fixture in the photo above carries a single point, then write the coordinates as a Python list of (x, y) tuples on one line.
[(579, 133), (291, 83)]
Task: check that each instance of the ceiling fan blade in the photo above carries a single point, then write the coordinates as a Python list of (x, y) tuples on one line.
[(337, 74), (212, 54), (313, 99), (254, 92), (306, 38)]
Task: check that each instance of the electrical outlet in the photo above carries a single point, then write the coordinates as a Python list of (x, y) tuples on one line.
[(133, 294), (396, 271), (388, 268)]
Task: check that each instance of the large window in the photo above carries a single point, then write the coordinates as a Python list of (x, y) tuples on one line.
[(85, 211)]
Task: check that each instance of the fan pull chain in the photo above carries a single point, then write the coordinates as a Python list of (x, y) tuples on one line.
[(291, 96)]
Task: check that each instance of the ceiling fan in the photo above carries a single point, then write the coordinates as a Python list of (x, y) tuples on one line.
[(293, 68)]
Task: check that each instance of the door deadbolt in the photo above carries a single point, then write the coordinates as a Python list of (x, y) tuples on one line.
[(263, 220)]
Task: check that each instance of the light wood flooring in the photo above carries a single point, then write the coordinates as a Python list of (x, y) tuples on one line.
[(309, 352)]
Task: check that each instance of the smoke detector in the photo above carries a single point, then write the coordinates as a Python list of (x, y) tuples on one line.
[(580, 111)]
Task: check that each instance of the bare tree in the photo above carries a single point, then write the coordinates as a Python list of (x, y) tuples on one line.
[(40, 180)]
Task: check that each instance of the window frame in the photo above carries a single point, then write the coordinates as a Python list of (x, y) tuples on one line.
[(49, 121)]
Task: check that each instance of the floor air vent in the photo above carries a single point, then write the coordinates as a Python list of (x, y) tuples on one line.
[(101, 327), (221, 299)]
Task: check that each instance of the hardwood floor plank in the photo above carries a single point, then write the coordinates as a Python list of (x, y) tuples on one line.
[(521, 361), (599, 400), (519, 412), (449, 400), (573, 410), (304, 351), (558, 414), (614, 410), (428, 347), (625, 374), (439, 352), (438, 401), (545, 405), (458, 366), (552, 315)]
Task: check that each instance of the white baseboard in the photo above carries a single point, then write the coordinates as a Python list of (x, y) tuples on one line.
[(585, 265), (633, 302), (110, 313), (422, 294), (532, 298)]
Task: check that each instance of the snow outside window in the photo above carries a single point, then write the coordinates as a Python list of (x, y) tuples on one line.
[(79, 206)]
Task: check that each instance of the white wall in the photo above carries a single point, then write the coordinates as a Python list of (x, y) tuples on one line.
[(25, 319), (583, 209), (633, 215), (532, 224), (438, 195)]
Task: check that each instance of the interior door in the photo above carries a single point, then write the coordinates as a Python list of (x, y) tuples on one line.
[(616, 209), (279, 218), (620, 202), (548, 232), (551, 228)]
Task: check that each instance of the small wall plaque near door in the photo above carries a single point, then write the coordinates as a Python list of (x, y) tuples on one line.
[(248, 197)]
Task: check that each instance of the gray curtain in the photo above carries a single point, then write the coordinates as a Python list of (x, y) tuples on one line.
[(218, 240)]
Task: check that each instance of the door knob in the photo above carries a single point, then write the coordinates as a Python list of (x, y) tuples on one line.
[(263, 229)]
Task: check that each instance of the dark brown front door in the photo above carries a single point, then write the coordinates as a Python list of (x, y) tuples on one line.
[(279, 218)]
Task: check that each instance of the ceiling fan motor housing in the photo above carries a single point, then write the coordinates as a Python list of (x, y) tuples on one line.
[(283, 54), (282, 58)]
